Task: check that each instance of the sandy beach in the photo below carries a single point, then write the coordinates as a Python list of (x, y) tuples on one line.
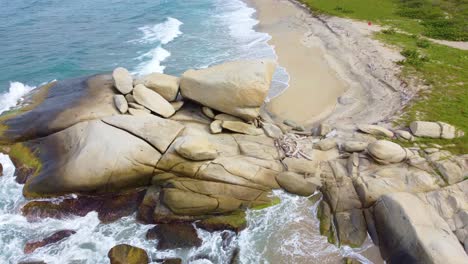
[(338, 73), (314, 86)]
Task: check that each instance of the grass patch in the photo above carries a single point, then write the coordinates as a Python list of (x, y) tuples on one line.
[(443, 68)]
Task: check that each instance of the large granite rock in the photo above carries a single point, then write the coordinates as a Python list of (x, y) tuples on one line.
[(165, 85), (91, 157), (295, 183), (61, 105), (237, 88), (153, 101), (123, 81), (159, 132), (410, 231)]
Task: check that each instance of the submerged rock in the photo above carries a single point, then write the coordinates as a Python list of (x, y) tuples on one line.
[(165, 85), (174, 235), (126, 254), (153, 101), (30, 247), (123, 81), (235, 222), (238, 88)]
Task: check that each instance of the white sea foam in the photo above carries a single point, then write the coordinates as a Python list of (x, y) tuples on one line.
[(11, 98), (159, 34)]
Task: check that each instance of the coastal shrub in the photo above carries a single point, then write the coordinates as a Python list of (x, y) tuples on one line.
[(389, 31), (413, 57), (423, 43)]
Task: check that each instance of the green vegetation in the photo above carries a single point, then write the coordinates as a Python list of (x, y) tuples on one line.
[(442, 68), (274, 201)]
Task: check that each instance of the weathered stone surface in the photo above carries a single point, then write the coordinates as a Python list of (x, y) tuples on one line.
[(386, 152), (65, 104), (165, 85), (375, 130), (30, 247), (174, 235), (215, 127), (159, 132), (129, 98), (405, 135), (139, 112), (426, 129), (370, 185), (448, 166), (326, 144), (191, 113), (235, 222), (123, 81), (354, 146), (153, 101), (272, 130), (302, 166), (261, 147), (208, 112), (70, 161), (195, 148), (226, 117), (137, 106), (448, 131), (241, 127), (324, 129), (295, 183), (351, 227), (126, 254), (177, 105), (410, 231), (121, 103), (237, 88), (293, 125)]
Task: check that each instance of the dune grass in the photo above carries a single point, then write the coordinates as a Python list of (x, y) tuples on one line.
[(443, 68)]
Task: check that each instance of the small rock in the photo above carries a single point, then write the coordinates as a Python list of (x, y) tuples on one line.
[(129, 98), (139, 112), (123, 80), (449, 131), (293, 125), (241, 127), (326, 144), (295, 183), (404, 135), (174, 235), (1, 170), (385, 152), (126, 254), (426, 129), (195, 148), (431, 150), (226, 117), (324, 129), (208, 112), (32, 262), (272, 130), (30, 247), (165, 85), (215, 127), (354, 146), (121, 103), (177, 105), (137, 106), (153, 101), (375, 130)]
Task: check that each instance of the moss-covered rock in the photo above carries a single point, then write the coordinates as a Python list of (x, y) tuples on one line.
[(235, 222), (126, 254)]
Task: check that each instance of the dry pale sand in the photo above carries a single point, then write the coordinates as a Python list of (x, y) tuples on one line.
[(314, 86), (338, 73)]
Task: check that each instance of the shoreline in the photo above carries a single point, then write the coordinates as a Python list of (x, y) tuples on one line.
[(283, 22)]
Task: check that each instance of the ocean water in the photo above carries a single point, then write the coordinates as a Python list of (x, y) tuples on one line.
[(44, 40)]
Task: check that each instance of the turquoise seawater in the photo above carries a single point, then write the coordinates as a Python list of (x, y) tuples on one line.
[(44, 40)]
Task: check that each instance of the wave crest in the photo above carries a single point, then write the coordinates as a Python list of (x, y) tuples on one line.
[(15, 93)]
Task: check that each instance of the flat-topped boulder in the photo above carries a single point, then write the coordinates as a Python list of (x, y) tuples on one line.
[(165, 85), (238, 88)]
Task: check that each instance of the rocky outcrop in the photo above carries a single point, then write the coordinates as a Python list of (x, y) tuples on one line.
[(126, 254), (410, 231), (236, 88)]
